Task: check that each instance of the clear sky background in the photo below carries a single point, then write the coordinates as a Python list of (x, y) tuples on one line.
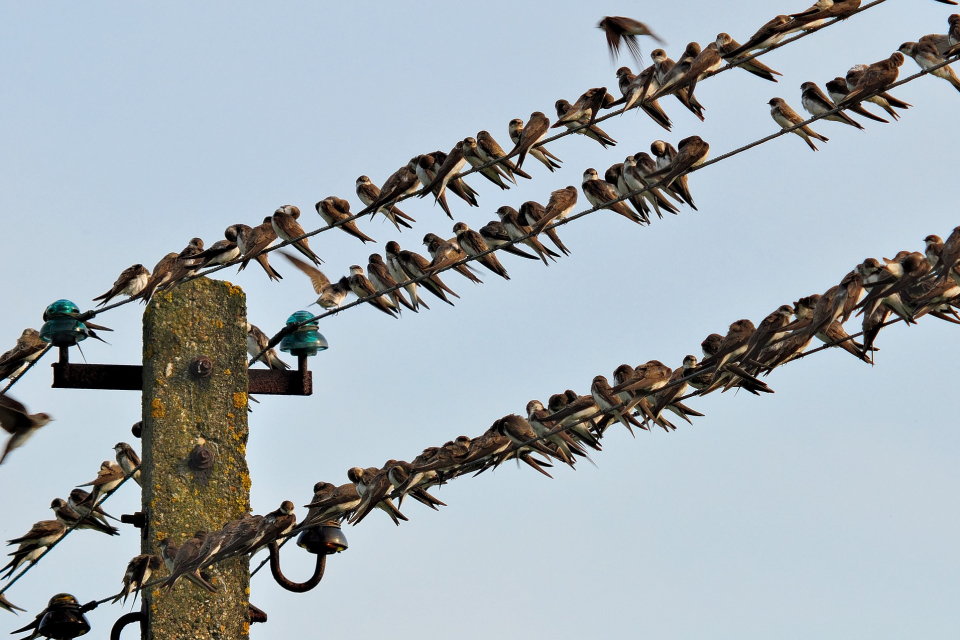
[(825, 510)]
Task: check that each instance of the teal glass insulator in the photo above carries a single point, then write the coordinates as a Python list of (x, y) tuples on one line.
[(61, 309), (306, 340), (63, 331)]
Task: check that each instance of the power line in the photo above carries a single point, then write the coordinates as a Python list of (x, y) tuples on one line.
[(290, 328), (76, 524), (24, 372)]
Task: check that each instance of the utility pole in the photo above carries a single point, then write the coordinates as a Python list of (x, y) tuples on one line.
[(194, 471)]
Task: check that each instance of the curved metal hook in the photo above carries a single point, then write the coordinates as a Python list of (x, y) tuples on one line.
[(296, 587), (124, 620)]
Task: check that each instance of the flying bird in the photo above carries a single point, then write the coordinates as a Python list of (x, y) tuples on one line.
[(332, 294), (618, 28), (21, 425)]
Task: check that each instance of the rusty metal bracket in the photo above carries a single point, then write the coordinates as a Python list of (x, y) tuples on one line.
[(296, 587), (123, 377)]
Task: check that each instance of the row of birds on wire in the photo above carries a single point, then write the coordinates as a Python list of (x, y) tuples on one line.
[(571, 426)]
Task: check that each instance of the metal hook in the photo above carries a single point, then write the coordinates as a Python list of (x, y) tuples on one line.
[(124, 620), (296, 587)]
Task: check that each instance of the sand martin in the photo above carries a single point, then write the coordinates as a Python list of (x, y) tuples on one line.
[(926, 56), (518, 232), (82, 502), (29, 347), (131, 282), (618, 28), (601, 194), (381, 279), (331, 294), (532, 213), (766, 36), (252, 241), (496, 236), (21, 425), (473, 245), (257, 343), (816, 103), (108, 478), (362, 287), (529, 135), (287, 228), (70, 518), (336, 211), (873, 80), (786, 117), (137, 574), (838, 90), (727, 45), (369, 193)]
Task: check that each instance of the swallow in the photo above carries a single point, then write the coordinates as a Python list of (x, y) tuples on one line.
[(21, 425), (770, 329), (618, 28), (446, 175), (221, 251), (108, 478), (636, 168), (396, 270), (496, 236), (835, 334), (953, 35), (565, 444), (474, 245), (637, 90), (822, 11), (186, 265), (949, 254), (817, 103), (524, 439), (494, 173), (287, 228), (614, 177), (519, 232), (445, 253), (529, 135), (926, 56), (608, 402), (257, 343), (381, 279), (786, 117), (602, 194), (9, 606), (131, 282), (587, 106), (559, 206), (369, 193), (402, 182), (733, 345), (489, 150), (838, 90), (274, 527), (161, 274), (252, 242), (766, 36), (551, 161), (873, 80), (331, 294), (691, 153), (169, 552), (336, 212), (592, 131), (398, 472), (532, 213), (82, 502), (415, 266), (698, 63), (338, 505), (137, 574), (185, 560), (662, 66), (370, 483), (33, 543), (72, 519), (427, 169), (933, 247), (29, 347), (363, 289), (727, 45)]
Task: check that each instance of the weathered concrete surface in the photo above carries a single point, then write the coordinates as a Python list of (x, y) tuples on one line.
[(200, 318)]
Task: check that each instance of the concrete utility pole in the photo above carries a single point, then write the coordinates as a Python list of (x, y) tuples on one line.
[(194, 471)]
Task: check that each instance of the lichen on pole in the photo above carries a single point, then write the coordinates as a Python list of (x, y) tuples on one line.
[(194, 443)]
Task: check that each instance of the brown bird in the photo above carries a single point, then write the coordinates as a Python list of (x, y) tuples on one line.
[(336, 210), (15, 420), (786, 117), (877, 77), (618, 28)]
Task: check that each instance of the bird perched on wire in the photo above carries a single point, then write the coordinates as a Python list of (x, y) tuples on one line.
[(21, 425), (130, 283), (927, 57), (285, 225), (627, 30), (108, 478), (786, 117), (257, 343), (28, 348), (33, 543), (137, 574)]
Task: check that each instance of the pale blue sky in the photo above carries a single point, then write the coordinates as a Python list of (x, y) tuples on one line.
[(825, 510)]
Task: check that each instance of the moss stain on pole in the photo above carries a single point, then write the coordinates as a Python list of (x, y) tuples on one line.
[(194, 444)]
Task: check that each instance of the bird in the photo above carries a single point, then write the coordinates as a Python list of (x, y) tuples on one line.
[(587, 106), (252, 242), (401, 182), (838, 90), (446, 175), (137, 574), (29, 347), (489, 150), (369, 193), (518, 232), (170, 552), (926, 56), (82, 502), (9, 606), (875, 78), (532, 133), (602, 194), (496, 236), (21, 425), (531, 213), (380, 277), (592, 131), (691, 153), (817, 103), (474, 245), (786, 117), (363, 480), (161, 274), (287, 228), (662, 68), (363, 289), (108, 478), (184, 561), (822, 11), (336, 211), (130, 283), (33, 543), (618, 28), (258, 346), (766, 36), (185, 266), (274, 526), (550, 161), (494, 173), (339, 504), (221, 251), (70, 518), (638, 90), (445, 253), (427, 169), (726, 45), (416, 267), (332, 294)]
